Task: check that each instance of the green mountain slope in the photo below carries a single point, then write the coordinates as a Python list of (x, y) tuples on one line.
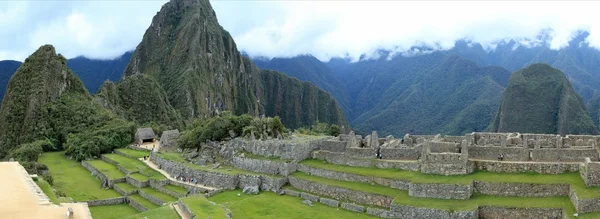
[(197, 64), (540, 99), (43, 78)]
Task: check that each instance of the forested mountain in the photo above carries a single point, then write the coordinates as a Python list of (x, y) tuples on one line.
[(540, 99), (196, 62), (7, 69)]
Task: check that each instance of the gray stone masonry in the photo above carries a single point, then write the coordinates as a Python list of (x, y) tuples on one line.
[(488, 212), (404, 211), (344, 159), (584, 205), (353, 207), (590, 172), (393, 183), (295, 149), (108, 201), (122, 192), (136, 205), (124, 154), (280, 167), (331, 202), (382, 213), (186, 210), (291, 192), (333, 145), (521, 189), (441, 191), (308, 196), (151, 198), (100, 175), (522, 167), (340, 193), (137, 183)]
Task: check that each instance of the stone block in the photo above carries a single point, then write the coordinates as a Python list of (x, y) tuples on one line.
[(353, 207), (291, 192), (330, 202), (308, 196)]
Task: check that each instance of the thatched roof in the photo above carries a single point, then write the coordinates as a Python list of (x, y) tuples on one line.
[(144, 133)]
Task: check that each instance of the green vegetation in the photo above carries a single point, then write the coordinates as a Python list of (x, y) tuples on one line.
[(126, 187), (540, 99), (202, 208), (222, 169), (111, 171), (112, 211), (172, 156), (135, 165), (271, 205), (162, 196), (134, 153), (178, 189), (321, 129), (47, 188), (72, 180), (164, 212), (143, 201)]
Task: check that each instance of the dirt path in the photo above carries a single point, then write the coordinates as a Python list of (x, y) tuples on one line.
[(180, 212), (155, 167)]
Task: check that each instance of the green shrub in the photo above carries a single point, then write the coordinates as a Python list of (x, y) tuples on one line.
[(31, 151)]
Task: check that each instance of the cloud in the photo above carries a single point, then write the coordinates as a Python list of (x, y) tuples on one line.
[(106, 29), (336, 28)]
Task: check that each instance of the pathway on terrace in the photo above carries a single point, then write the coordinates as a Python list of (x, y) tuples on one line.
[(155, 167), (179, 211)]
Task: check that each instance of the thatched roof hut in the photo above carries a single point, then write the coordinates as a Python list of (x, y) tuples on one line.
[(144, 135)]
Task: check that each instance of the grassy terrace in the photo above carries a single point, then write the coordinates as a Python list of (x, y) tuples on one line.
[(202, 208), (164, 212), (112, 211), (47, 189), (134, 153), (139, 177), (401, 197), (162, 196), (142, 201), (567, 178), (254, 156), (126, 187), (271, 205), (73, 180), (176, 157), (177, 189), (135, 165), (111, 171)]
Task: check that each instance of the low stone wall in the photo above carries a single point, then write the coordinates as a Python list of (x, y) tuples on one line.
[(361, 152), (343, 159), (97, 173), (137, 183), (272, 183), (402, 165), (122, 192), (108, 201), (404, 211), (192, 189), (539, 155), (521, 189), (442, 191), (138, 148), (521, 167), (264, 166), (284, 149), (151, 198), (492, 153), (393, 183), (382, 213), (136, 205), (341, 193), (185, 209), (333, 145), (291, 192), (521, 213), (353, 207), (308, 196), (331, 202), (399, 153), (584, 205), (108, 160), (124, 154)]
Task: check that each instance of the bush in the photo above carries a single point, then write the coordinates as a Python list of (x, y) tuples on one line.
[(321, 128), (31, 151), (92, 143), (48, 179)]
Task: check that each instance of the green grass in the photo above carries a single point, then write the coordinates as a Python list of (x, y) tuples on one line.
[(73, 180), (172, 156), (162, 196), (271, 205), (416, 177), (126, 187), (143, 201), (401, 197), (47, 189), (164, 212), (134, 153), (273, 158), (139, 177), (177, 189), (112, 211), (135, 165), (111, 171), (202, 208)]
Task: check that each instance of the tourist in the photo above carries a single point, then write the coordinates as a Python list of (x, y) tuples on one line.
[(501, 157)]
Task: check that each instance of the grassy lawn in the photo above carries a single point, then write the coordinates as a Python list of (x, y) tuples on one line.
[(135, 165), (401, 197), (416, 177), (271, 205), (134, 153), (139, 177), (73, 180), (111, 171), (177, 189), (172, 156), (164, 212), (126, 187), (143, 201), (47, 188), (202, 208), (112, 211), (162, 196)]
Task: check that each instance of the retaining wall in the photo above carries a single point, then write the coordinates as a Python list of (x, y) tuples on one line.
[(136, 205), (393, 183), (584, 205), (522, 167), (343, 159), (124, 154), (333, 145), (341, 193), (442, 191), (404, 211), (122, 192), (521, 189), (285, 149), (108, 201), (539, 155), (97, 173), (265, 166), (521, 213), (151, 198), (184, 208), (137, 183)]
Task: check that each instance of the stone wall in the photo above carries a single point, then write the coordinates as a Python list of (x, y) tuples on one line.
[(295, 149), (590, 172), (522, 167), (279, 167), (123, 154), (492, 153), (393, 183), (108, 201), (521, 189), (333, 145), (442, 191), (122, 192), (137, 183), (272, 183), (584, 205), (186, 210), (361, 152), (341, 193), (440, 147), (521, 213), (138, 148), (353, 207), (151, 198), (566, 155), (405, 211), (343, 159), (136, 205), (100, 175), (405, 153)]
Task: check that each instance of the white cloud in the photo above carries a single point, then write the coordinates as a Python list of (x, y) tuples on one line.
[(106, 29)]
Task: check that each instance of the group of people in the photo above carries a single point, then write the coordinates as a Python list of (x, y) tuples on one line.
[(501, 157), (379, 155), (187, 179)]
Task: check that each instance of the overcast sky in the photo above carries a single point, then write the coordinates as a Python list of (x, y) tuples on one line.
[(106, 29)]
